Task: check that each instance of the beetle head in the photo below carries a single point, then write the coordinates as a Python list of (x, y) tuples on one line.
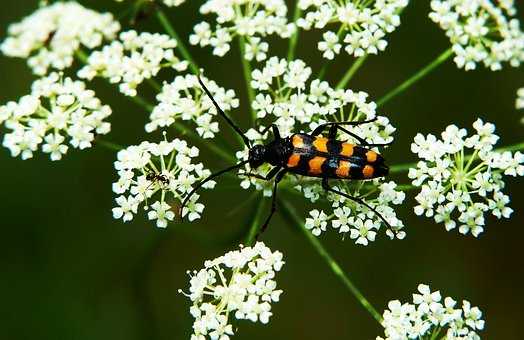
[(257, 156)]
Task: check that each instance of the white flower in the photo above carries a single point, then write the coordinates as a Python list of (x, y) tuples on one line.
[(461, 177), (288, 98), (170, 3), (362, 232), (56, 108), (481, 31), (363, 25), (317, 223), (184, 99), (427, 316), (250, 19), (133, 59), (330, 45), (159, 175), (239, 284), (51, 35)]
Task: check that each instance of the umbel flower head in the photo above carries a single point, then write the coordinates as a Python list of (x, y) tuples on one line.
[(133, 59), (362, 26), (249, 19), (50, 36), (184, 99), (461, 177), (481, 31), (57, 109), (159, 175), (239, 284), (287, 97), (430, 315)]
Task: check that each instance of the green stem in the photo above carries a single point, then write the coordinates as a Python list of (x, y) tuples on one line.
[(142, 102), (247, 75), (294, 38), (351, 72), (164, 21), (109, 145), (406, 166), (154, 84), (333, 265), (255, 224), (435, 333), (82, 56), (416, 77)]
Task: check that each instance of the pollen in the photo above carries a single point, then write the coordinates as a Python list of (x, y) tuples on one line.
[(315, 165)]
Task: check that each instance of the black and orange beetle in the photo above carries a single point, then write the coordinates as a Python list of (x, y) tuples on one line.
[(309, 155)]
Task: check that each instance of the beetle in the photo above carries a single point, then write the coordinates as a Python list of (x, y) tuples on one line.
[(309, 155)]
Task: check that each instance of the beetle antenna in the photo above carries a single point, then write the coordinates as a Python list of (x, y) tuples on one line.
[(221, 112), (204, 181)]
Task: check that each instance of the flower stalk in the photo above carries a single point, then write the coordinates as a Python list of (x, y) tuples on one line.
[(293, 218), (255, 223), (294, 38), (246, 66), (416, 77), (166, 24), (351, 72), (109, 145)]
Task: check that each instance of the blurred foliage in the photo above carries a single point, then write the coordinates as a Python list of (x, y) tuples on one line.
[(69, 271)]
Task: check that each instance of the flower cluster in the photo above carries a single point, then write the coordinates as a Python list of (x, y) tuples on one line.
[(170, 3), (50, 36), (240, 284), (249, 19), (287, 98), (133, 59), (461, 177), (481, 31), (361, 25), (56, 109), (429, 315), (159, 175), (184, 99)]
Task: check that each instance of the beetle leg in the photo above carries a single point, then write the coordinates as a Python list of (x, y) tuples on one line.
[(268, 177), (322, 127), (327, 187), (276, 133), (273, 202)]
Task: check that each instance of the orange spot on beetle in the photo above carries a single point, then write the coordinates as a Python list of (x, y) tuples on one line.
[(347, 150), (320, 144), (315, 165), (368, 171), (298, 142), (343, 169), (293, 160), (371, 156)]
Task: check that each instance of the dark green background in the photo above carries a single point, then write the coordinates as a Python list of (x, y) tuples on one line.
[(69, 271)]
